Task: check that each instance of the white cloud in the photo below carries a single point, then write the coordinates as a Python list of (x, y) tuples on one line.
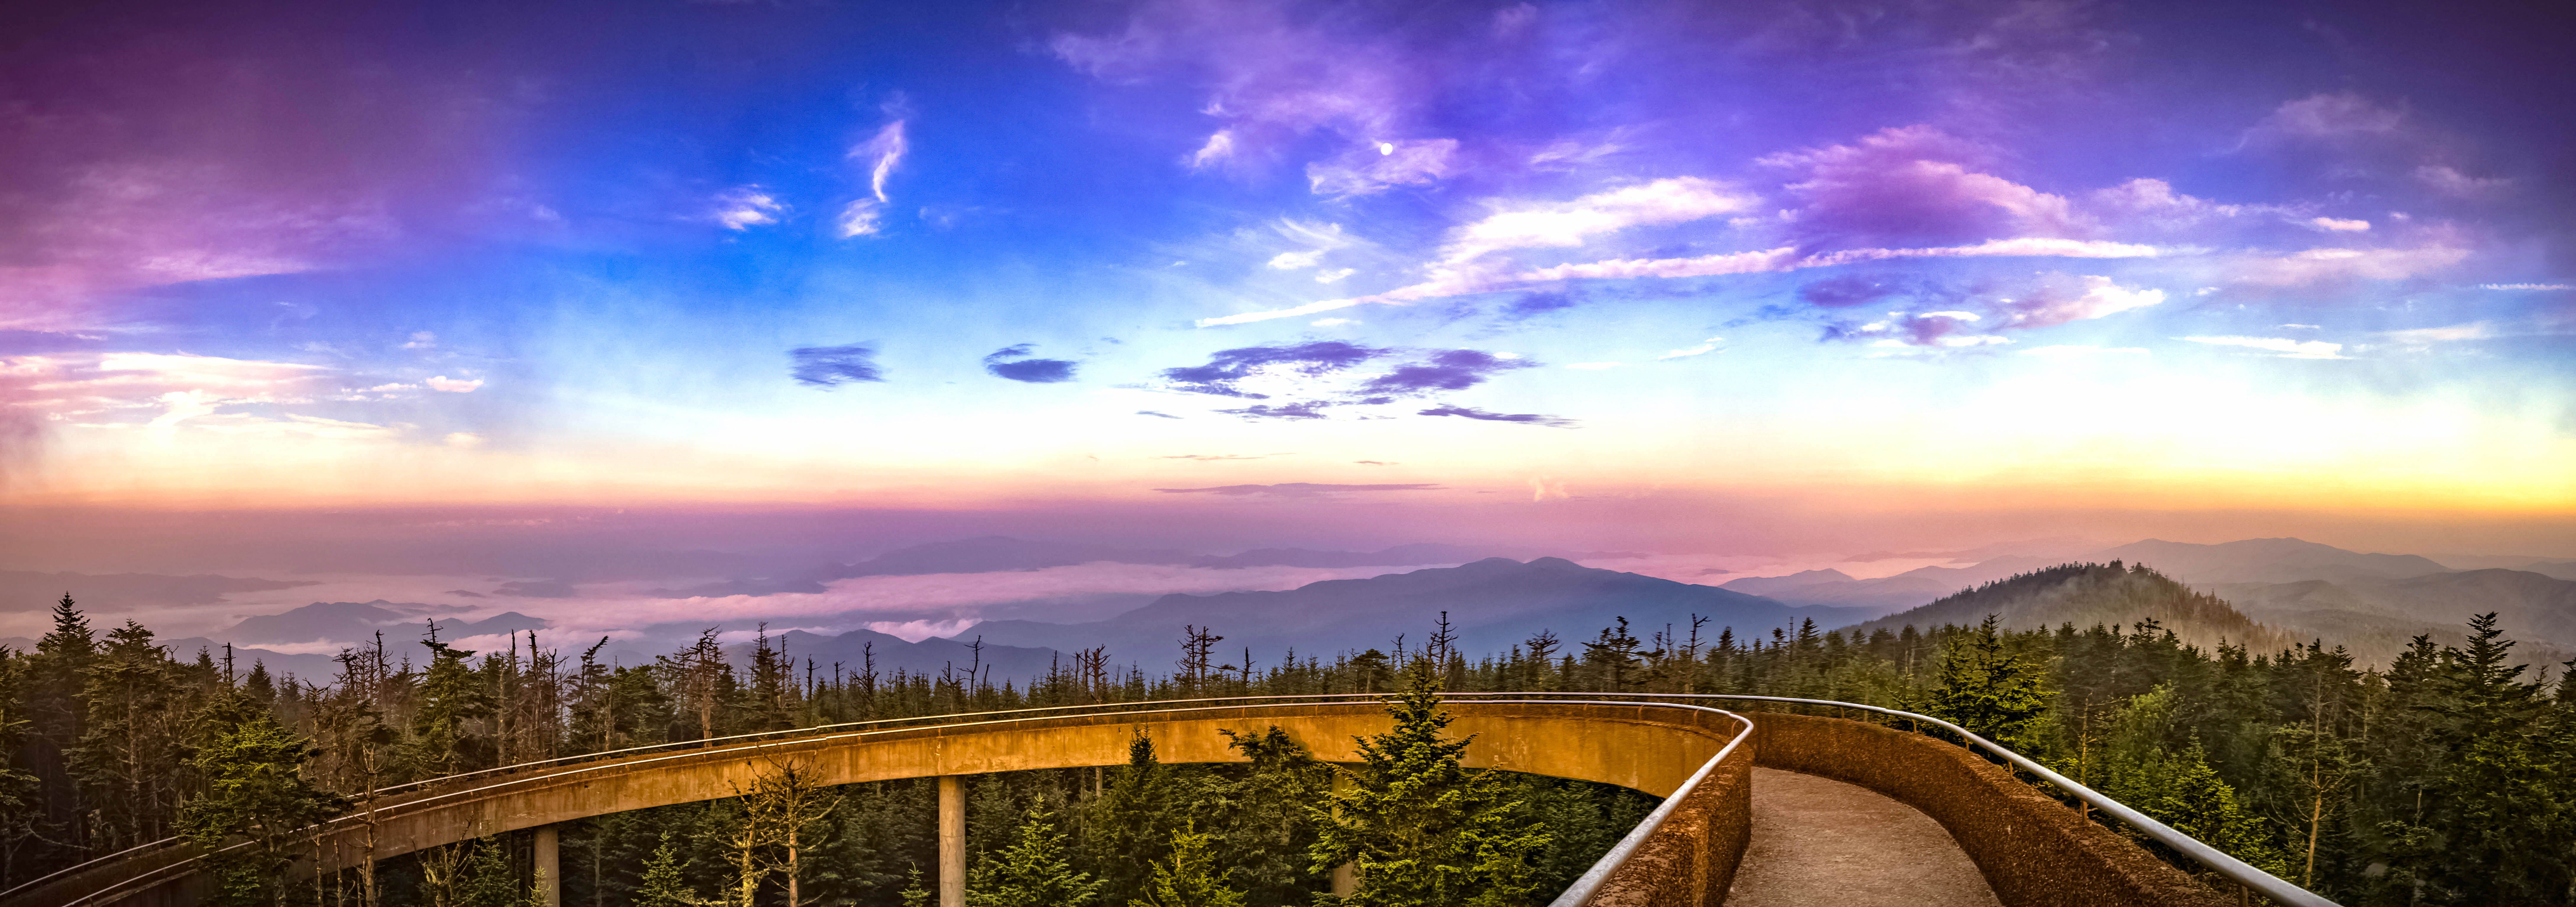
[(183, 406), (863, 217), (1961, 316), (2450, 180), (1318, 239), (464, 439), (2338, 225), (2475, 330), (1218, 148), (2288, 348), (1334, 275), (2076, 351), (454, 385), (743, 207), (421, 340), (390, 388), (1779, 259), (2526, 286), (1333, 322), (2305, 327), (1567, 224), (883, 151), (1704, 348), (2021, 247), (1593, 366), (2316, 265), (2100, 297), (1365, 170)]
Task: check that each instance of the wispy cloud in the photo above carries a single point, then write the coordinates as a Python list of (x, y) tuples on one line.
[(831, 366), (2287, 348), (1572, 223), (744, 207), (882, 152), (1470, 412), (1295, 489), (1705, 347), (1015, 363), (454, 385), (2475, 330)]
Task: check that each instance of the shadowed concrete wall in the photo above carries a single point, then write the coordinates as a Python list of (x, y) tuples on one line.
[(2034, 851), (1641, 747)]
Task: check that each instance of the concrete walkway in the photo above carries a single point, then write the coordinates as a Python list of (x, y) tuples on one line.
[(1818, 841)]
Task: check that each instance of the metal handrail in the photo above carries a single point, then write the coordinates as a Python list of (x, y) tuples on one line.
[(2268, 885), (625, 752), (807, 735), (1589, 884)]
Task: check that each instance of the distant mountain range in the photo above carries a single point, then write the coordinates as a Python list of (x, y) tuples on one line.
[(1492, 604), (996, 553)]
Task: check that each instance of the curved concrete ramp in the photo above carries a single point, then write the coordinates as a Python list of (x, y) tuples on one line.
[(1821, 841)]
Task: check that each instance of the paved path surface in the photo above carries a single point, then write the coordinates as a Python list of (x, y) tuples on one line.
[(1818, 841)]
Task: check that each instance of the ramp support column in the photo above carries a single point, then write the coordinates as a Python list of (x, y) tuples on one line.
[(549, 860), (952, 842)]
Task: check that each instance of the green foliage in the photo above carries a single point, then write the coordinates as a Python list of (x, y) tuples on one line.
[(663, 886), (255, 790), (1189, 878), (1987, 688), (1422, 829), (1033, 872)]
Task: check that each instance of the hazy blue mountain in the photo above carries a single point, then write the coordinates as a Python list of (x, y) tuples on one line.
[(853, 651), (1492, 603), (349, 623), (2532, 607), (996, 553), (1772, 585), (22, 590), (2557, 568), (1883, 595), (2266, 561)]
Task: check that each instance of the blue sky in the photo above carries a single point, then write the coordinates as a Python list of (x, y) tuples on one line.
[(2026, 255)]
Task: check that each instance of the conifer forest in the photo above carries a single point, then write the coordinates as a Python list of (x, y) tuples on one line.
[(2446, 776)]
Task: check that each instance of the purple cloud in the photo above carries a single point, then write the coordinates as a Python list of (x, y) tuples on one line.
[(1304, 410), (831, 366), (1522, 418), (1007, 363), (1219, 375), (1448, 370), (1840, 292), (1916, 185)]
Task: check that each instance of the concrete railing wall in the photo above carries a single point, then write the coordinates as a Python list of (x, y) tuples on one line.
[(1654, 749), (2033, 850)]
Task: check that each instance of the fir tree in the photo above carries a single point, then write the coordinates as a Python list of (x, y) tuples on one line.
[(1033, 872), (663, 885), (1983, 687), (1190, 878), (1422, 830), (255, 789)]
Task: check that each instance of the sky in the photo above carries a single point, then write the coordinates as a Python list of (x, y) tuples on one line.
[(1674, 277)]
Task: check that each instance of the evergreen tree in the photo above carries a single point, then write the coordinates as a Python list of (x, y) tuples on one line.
[(255, 790), (1422, 830), (1033, 872), (663, 885), (1190, 878), (1984, 687)]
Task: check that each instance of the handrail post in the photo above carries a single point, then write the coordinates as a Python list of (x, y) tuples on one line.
[(952, 842)]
